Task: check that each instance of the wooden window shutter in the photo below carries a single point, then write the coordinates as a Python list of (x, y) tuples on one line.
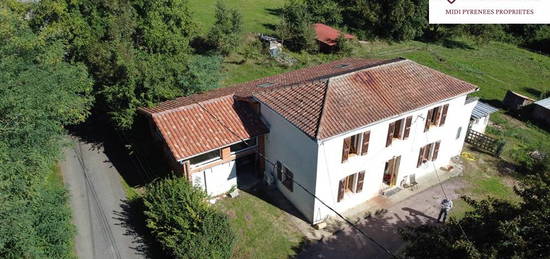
[(279, 171), (389, 138), (360, 180), (397, 130), (397, 162), (427, 152), (436, 150), (444, 115), (428, 120), (420, 157), (346, 149), (365, 145), (437, 115), (340, 190), (408, 123), (289, 180)]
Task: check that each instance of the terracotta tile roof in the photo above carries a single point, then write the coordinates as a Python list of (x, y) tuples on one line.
[(195, 128), (360, 98), (188, 129), (327, 34), (322, 101), (289, 78)]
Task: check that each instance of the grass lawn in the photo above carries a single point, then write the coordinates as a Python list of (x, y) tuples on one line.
[(263, 231), (258, 15)]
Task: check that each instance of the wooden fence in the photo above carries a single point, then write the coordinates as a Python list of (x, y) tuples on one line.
[(485, 143)]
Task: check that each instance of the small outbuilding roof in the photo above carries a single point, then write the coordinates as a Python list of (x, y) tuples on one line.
[(328, 35), (482, 110), (544, 103)]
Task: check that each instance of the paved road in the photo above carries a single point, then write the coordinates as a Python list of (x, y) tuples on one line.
[(418, 209), (96, 201)]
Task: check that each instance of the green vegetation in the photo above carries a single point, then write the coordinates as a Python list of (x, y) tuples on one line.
[(295, 28), (136, 51), (183, 223), (225, 34), (262, 230), (492, 229), (259, 16), (39, 95)]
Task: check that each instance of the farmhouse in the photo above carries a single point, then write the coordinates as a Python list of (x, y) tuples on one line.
[(346, 131)]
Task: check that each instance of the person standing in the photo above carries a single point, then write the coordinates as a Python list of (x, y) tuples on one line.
[(446, 206)]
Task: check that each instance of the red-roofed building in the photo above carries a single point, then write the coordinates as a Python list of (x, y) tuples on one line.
[(327, 36), (346, 131)]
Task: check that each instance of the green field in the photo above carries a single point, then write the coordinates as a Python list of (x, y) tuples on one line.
[(258, 15)]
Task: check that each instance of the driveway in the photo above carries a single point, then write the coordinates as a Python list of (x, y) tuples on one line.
[(97, 201), (417, 209)]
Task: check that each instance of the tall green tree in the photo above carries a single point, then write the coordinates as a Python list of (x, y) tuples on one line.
[(135, 50), (40, 93), (296, 28), (225, 34)]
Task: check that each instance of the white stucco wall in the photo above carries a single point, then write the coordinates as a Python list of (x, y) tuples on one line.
[(297, 152), (480, 124), (218, 179), (330, 169)]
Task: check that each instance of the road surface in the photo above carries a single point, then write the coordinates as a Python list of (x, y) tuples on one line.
[(97, 201)]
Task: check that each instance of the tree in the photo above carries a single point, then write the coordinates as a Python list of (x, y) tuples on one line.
[(295, 28), (224, 36), (324, 11), (494, 228), (135, 50), (39, 95), (183, 223)]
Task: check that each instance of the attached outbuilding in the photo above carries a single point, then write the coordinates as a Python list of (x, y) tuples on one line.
[(480, 116), (541, 112)]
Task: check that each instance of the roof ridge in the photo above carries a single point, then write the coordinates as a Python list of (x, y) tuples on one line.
[(322, 109), (191, 105)]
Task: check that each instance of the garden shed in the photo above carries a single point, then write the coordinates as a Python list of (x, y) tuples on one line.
[(541, 112), (514, 101)]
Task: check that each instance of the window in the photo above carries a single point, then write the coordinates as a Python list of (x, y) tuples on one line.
[(355, 145), (391, 170), (206, 157), (458, 132), (399, 129), (351, 184), (428, 153), (436, 117), (285, 176), (243, 145)]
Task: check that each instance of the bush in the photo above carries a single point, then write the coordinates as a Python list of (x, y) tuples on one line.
[(184, 224)]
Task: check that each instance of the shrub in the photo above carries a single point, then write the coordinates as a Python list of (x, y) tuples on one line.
[(184, 224)]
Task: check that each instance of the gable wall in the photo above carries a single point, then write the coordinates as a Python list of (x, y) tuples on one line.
[(297, 152)]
